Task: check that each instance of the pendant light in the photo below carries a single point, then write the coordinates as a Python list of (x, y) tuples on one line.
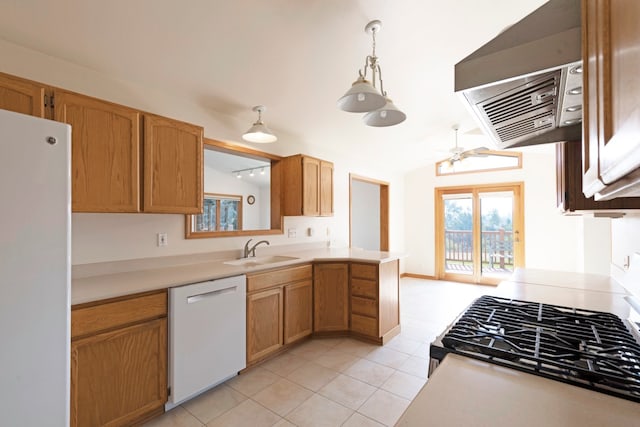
[(259, 132), (364, 97)]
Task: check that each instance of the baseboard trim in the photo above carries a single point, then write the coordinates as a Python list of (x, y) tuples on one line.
[(418, 276)]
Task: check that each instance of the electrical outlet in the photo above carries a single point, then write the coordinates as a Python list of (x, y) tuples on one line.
[(292, 232), (162, 239), (310, 231)]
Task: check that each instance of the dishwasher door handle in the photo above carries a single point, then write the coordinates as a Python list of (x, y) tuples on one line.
[(199, 297)]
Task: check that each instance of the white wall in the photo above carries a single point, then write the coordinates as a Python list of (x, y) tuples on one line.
[(113, 237), (551, 239), (365, 215), (253, 216), (625, 238)]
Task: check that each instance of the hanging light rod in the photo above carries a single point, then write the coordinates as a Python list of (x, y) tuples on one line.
[(238, 173), (259, 132), (364, 97)]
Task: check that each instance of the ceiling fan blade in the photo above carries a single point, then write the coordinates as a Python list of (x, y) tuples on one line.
[(477, 152)]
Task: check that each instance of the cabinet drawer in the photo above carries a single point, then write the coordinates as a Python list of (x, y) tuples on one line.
[(364, 306), (364, 288), (364, 325), (364, 271), (95, 318), (268, 279)]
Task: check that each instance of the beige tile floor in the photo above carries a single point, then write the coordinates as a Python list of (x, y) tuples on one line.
[(335, 381)]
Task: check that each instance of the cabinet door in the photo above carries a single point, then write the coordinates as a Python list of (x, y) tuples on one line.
[(310, 186), (264, 323), (326, 188), (612, 87), (119, 377), (21, 96), (172, 166), (105, 147), (331, 297), (298, 311)]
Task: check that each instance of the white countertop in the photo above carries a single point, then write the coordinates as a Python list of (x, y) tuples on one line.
[(88, 287), (468, 392), (564, 279)]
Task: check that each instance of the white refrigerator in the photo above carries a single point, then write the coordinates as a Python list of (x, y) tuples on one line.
[(35, 276)]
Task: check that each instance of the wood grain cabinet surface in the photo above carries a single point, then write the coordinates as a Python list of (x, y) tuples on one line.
[(279, 310), (173, 153), (105, 153), (375, 301), (307, 186), (570, 197), (23, 96), (331, 297), (119, 360), (123, 160), (611, 110)]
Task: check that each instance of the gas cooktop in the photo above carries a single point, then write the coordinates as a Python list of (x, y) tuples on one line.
[(586, 348)]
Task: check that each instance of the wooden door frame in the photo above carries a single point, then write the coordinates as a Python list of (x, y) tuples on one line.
[(384, 207), (474, 190)]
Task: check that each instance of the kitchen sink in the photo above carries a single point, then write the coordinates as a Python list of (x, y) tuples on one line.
[(262, 260)]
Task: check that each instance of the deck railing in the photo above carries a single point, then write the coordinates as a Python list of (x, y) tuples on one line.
[(497, 246)]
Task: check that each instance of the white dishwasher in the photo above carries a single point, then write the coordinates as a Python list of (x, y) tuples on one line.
[(207, 335)]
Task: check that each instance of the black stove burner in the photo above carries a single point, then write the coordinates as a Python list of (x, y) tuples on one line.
[(587, 348)]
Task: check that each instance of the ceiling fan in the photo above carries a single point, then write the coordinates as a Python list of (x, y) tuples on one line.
[(459, 153)]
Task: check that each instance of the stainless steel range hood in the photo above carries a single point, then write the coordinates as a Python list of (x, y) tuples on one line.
[(525, 85)]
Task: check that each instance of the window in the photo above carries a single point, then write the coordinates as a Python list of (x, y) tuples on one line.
[(222, 212), (484, 162)]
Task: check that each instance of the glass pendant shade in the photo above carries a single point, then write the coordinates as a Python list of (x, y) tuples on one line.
[(388, 115), (361, 98)]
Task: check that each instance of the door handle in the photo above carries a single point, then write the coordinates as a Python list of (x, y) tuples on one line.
[(517, 236), (199, 297)]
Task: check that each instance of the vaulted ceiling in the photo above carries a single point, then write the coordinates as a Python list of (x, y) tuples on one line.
[(297, 57)]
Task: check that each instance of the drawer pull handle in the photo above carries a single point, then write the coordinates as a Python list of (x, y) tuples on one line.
[(195, 298)]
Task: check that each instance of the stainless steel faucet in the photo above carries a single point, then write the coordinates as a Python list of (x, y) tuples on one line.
[(251, 251)]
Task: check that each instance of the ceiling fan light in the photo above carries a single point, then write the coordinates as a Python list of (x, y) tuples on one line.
[(389, 115), (361, 98)]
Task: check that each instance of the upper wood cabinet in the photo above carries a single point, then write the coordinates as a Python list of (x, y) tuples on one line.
[(173, 153), (570, 197), (107, 147), (307, 186), (105, 153), (22, 96), (611, 137)]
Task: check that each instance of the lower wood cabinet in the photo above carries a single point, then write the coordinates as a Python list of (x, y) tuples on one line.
[(264, 323), (331, 297), (298, 316), (375, 312), (279, 310), (119, 360)]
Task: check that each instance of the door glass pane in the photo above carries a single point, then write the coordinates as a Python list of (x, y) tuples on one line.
[(458, 234), (496, 219)]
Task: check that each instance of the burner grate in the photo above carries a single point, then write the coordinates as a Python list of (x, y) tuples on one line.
[(581, 347)]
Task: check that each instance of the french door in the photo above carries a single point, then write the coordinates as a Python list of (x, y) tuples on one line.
[(479, 232)]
